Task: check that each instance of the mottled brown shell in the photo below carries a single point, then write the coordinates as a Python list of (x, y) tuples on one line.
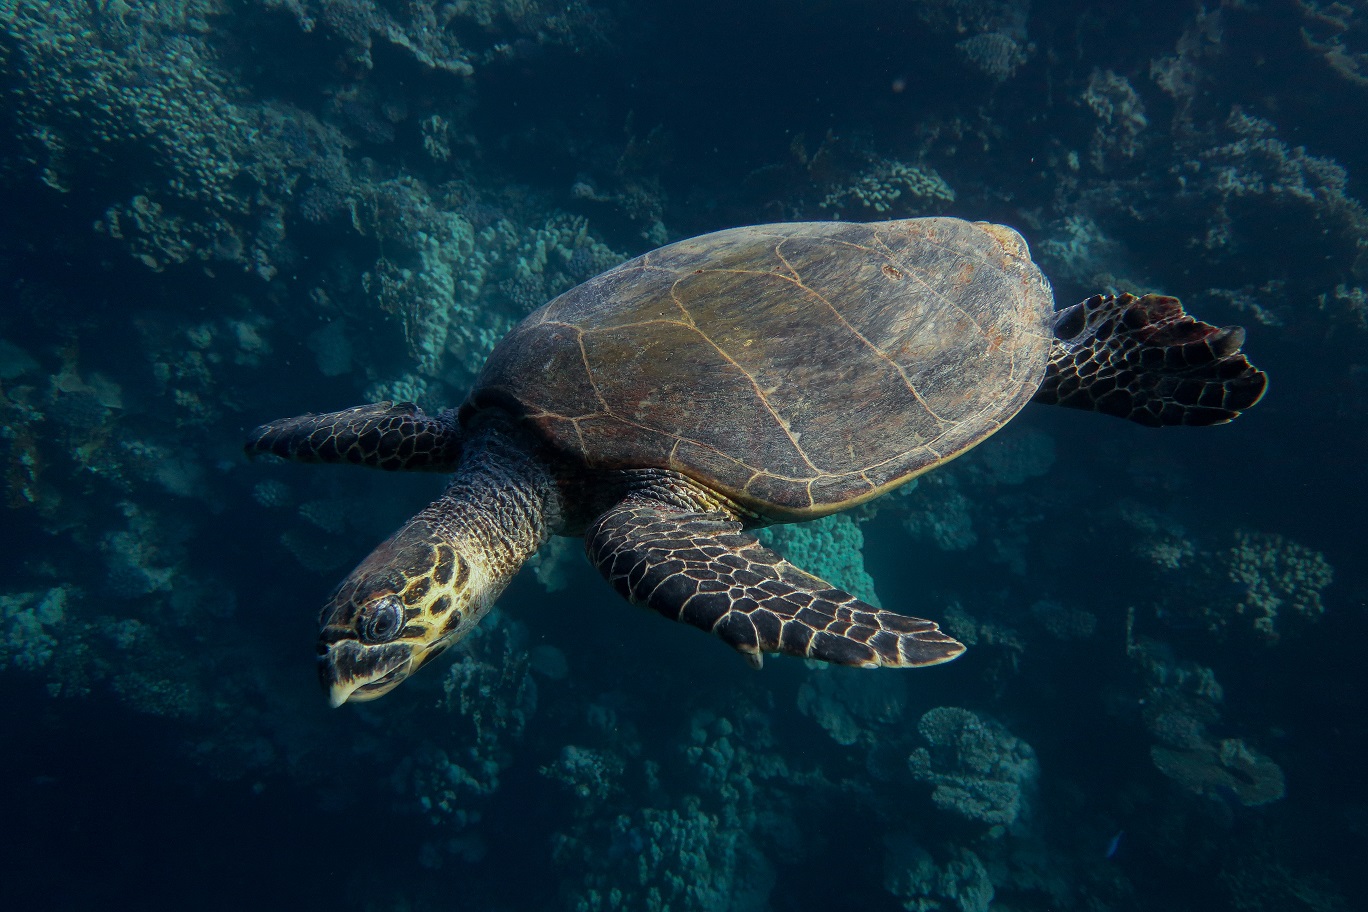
[(796, 368)]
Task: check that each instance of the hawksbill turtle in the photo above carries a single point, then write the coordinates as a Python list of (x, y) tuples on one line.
[(757, 375)]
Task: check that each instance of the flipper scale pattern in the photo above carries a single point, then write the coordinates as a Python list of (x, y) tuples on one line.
[(1146, 360), (700, 568), (384, 435)]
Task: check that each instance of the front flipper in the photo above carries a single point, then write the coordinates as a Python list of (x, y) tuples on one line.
[(699, 567), (384, 435), (1146, 360)]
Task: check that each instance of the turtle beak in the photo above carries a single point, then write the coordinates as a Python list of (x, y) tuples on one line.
[(352, 671)]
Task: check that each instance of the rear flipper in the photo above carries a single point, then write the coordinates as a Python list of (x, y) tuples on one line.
[(661, 551), (1146, 360), (384, 435)]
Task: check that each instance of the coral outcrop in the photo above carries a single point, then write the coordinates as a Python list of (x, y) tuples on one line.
[(958, 883), (893, 189), (831, 548), (976, 768), (852, 706), (1281, 581), (31, 621), (1229, 767), (995, 44)]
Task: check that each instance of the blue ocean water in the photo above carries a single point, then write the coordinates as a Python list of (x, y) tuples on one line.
[(220, 213)]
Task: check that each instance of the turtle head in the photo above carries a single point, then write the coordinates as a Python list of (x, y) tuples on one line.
[(409, 600)]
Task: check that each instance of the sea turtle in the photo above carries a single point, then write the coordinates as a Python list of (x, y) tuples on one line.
[(764, 374)]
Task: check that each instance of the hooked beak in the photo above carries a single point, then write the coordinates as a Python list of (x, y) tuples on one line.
[(349, 670)]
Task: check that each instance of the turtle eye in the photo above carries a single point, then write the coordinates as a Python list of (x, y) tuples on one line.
[(381, 620)]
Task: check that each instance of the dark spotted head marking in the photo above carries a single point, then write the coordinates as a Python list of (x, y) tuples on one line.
[(406, 602)]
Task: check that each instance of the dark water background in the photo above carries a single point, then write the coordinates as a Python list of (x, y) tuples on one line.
[(217, 213)]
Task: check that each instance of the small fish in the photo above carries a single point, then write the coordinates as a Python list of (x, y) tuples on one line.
[(1114, 844)]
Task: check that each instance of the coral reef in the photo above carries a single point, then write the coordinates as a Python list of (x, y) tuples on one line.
[(831, 548), (1064, 622), (996, 44), (958, 884), (491, 688), (996, 54), (406, 388), (591, 775), (99, 81), (551, 564), (1339, 33), (452, 775), (31, 621), (1079, 250), (458, 290), (942, 514), (1182, 703), (1228, 767), (1264, 585), (444, 36), (1162, 541), (892, 189), (943, 507), (1182, 698), (142, 558), (1256, 164), (703, 852), (1012, 457), (1281, 579), (686, 860), (977, 769), (1120, 118), (850, 705)]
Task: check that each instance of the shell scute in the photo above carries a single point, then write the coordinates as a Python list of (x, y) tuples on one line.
[(795, 368)]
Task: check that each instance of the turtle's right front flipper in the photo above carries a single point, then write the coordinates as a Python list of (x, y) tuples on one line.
[(664, 550), (1145, 359), (384, 435)]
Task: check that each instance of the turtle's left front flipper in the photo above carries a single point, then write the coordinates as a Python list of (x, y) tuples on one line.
[(1146, 360), (383, 435), (691, 565)]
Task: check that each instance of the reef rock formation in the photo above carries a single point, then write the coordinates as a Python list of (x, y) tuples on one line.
[(977, 768)]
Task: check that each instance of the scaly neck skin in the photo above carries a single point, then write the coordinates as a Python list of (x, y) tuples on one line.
[(499, 508), (431, 582)]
